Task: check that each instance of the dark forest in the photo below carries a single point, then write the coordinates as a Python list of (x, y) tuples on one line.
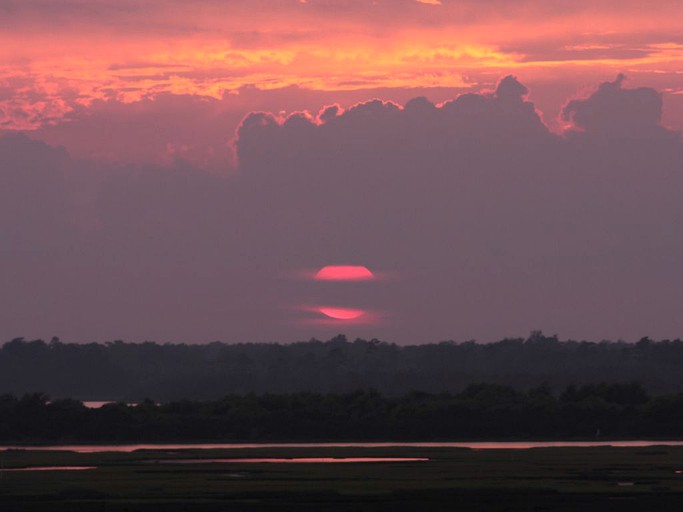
[(481, 411), (164, 372), (538, 387)]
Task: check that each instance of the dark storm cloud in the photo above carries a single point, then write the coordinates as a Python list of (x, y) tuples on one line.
[(503, 117), (489, 224), (613, 111)]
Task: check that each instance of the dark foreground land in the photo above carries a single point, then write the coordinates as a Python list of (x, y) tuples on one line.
[(557, 479)]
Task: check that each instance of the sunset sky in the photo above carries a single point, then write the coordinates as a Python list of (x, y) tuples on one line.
[(180, 171)]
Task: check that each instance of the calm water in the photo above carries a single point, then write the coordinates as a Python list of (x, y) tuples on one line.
[(507, 445), (293, 460), (48, 468), (94, 404)]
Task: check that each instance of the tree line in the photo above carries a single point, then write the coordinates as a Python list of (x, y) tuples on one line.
[(132, 371), (480, 411)]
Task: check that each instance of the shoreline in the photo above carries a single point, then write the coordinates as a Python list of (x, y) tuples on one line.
[(471, 445)]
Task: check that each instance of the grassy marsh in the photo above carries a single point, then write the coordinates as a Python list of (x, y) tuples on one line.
[(602, 478)]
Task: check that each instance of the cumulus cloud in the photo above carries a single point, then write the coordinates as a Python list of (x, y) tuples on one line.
[(489, 224), (502, 117), (614, 110)]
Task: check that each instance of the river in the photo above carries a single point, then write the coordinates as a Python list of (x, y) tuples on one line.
[(479, 445)]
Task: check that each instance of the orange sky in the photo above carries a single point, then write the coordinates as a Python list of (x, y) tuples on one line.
[(58, 55)]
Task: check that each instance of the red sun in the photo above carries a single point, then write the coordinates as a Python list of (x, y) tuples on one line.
[(342, 313), (344, 273)]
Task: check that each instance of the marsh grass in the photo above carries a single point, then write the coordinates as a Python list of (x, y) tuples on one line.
[(550, 478)]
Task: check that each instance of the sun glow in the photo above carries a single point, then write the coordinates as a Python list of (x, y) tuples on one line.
[(342, 313), (344, 273)]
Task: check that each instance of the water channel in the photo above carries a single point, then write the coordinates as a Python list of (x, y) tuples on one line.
[(478, 445)]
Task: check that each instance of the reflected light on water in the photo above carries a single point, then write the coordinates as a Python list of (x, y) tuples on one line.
[(296, 460), (96, 404), (49, 468), (504, 445)]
